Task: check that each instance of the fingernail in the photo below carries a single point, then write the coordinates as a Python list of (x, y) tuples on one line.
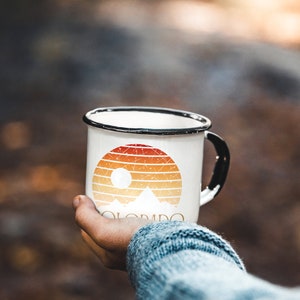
[(76, 201)]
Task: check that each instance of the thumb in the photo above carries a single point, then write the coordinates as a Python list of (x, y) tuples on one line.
[(105, 232), (87, 217)]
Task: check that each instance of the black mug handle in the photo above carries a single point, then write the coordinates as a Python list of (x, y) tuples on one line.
[(220, 170)]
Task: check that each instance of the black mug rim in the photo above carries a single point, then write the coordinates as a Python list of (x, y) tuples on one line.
[(204, 122)]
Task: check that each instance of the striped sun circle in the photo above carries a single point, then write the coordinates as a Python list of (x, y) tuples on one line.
[(126, 171)]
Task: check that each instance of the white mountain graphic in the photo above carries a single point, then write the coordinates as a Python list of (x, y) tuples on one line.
[(145, 203), (146, 200)]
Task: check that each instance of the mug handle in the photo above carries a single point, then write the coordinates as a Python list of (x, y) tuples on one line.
[(220, 170)]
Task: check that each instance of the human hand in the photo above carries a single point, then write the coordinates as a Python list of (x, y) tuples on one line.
[(108, 238)]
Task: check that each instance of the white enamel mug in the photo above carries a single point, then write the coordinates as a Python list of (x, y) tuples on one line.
[(146, 162)]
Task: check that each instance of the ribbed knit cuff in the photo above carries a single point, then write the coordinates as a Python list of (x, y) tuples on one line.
[(157, 240)]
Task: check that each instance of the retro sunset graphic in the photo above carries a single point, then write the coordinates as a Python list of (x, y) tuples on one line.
[(136, 175)]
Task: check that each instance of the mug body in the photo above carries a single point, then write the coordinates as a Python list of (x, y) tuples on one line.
[(145, 162)]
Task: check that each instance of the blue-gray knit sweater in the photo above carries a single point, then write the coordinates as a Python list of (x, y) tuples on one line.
[(178, 260)]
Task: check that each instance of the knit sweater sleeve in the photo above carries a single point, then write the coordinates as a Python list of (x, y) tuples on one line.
[(178, 260)]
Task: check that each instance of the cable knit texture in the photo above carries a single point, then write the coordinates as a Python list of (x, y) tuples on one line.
[(178, 260)]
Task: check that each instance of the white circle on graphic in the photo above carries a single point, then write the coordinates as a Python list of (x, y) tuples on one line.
[(121, 178)]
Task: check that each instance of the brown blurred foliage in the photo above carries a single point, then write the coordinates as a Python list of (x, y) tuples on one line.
[(235, 62)]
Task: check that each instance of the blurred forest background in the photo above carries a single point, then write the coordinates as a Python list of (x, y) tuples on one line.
[(235, 61)]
